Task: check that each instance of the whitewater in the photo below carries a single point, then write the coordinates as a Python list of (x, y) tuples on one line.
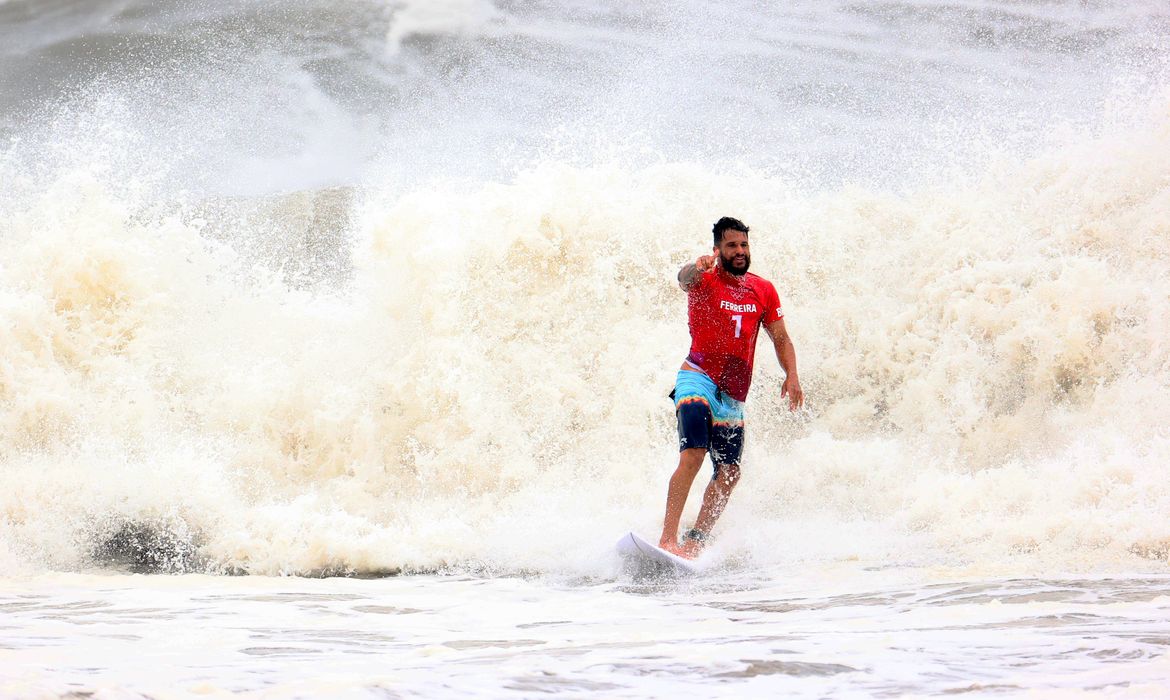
[(335, 343)]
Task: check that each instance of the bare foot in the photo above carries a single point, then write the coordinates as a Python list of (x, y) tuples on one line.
[(691, 549), (672, 546)]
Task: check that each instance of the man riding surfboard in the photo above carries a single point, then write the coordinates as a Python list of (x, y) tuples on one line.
[(726, 306)]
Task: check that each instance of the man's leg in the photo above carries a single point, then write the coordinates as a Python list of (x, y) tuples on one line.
[(689, 462), (726, 450), (714, 501)]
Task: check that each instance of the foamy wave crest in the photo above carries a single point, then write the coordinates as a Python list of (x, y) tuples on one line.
[(986, 366), (429, 18)]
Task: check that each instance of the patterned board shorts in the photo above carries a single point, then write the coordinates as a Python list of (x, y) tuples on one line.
[(708, 418)]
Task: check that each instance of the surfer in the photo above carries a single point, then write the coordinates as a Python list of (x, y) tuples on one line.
[(726, 306)]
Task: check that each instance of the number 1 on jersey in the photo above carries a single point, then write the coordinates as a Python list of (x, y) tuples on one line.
[(738, 323)]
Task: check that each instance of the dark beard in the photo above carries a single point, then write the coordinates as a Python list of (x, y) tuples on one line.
[(730, 267)]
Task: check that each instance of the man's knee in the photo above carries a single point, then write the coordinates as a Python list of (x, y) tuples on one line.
[(728, 474), (691, 459)]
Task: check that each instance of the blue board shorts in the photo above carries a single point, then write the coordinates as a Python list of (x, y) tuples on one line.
[(708, 418)]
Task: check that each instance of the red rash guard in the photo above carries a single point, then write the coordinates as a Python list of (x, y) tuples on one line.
[(725, 313)]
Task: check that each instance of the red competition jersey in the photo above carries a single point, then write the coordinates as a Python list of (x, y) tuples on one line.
[(725, 313)]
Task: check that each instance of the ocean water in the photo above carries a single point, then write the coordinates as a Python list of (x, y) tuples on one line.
[(335, 340)]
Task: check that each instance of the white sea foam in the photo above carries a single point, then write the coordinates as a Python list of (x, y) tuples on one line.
[(846, 632), (985, 363), (429, 18)]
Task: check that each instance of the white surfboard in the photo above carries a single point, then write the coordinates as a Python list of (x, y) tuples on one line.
[(634, 548)]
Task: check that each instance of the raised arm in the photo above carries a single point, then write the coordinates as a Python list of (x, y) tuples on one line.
[(689, 274), (786, 354)]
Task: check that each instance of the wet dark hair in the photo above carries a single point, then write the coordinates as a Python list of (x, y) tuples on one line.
[(727, 224)]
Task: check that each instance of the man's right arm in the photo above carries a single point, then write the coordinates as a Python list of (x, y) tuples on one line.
[(691, 272)]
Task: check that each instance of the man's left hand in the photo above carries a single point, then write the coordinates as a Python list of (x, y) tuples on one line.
[(792, 390)]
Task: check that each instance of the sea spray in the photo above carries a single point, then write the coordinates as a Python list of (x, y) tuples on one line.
[(983, 362)]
